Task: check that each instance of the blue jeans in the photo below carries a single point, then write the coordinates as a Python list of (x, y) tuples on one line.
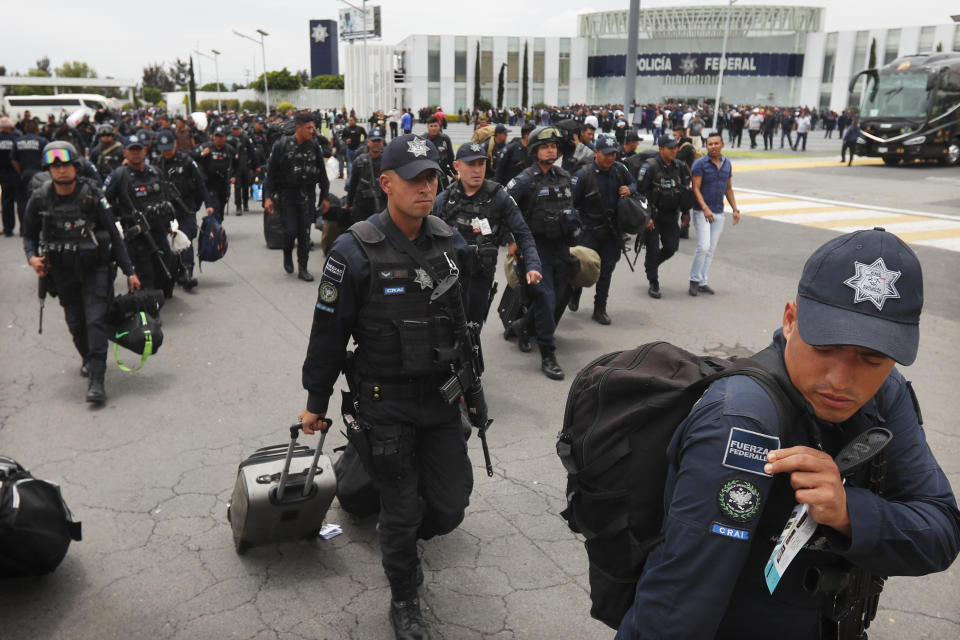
[(708, 235)]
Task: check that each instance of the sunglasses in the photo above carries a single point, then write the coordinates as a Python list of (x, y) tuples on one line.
[(53, 156)]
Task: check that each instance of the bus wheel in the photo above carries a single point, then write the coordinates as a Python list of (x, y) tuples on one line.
[(952, 157), (891, 161)]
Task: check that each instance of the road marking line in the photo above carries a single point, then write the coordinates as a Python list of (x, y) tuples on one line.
[(917, 236), (903, 227), (852, 205), (802, 216), (801, 165), (950, 244), (780, 205)]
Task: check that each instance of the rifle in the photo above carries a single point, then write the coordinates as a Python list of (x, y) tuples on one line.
[(518, 326), (42, 294), (142, 227), (853, 593), (465, 381)]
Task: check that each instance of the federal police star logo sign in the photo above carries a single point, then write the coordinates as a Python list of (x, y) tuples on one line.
[(873, 282), (688, 65), (417, 146), (319, 33), (476, 147)]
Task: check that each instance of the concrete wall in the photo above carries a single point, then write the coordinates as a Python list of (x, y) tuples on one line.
[(301, 99)]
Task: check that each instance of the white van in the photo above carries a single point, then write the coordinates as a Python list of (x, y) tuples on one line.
[(59, 106)]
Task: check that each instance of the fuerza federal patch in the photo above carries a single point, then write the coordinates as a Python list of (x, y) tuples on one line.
[(334, 269), (747, 450)]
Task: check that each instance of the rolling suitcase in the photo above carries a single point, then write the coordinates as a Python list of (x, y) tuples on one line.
[(282, 493)]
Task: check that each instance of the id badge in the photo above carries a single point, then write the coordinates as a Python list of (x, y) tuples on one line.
[(798, 530)]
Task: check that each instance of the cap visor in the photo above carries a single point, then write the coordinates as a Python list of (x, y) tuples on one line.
[(470, 157), (413, 169), (822, 324)]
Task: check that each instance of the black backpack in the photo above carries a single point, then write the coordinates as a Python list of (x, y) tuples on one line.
[(621, 413), (36, 526)]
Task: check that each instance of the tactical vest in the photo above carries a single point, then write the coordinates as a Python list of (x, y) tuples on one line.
[(218, 162), (145, 189), (68, 232), (299, 168), (109, 159), (260, 146), (549, 203), (460, 212), (239, 143), (594, 211), (178, 173), (666, 193), (400, 333)]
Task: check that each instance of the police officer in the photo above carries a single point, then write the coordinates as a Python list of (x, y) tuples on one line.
[(495, 148), (631, 140), (295, 169), (218, 163), (70, 237), (9, 178), (138, 192), (187, 192), (108, 154), (665, 182), (26, 158), (261, 147), (596, 190), (485, 215), (246, 162), (364, 196), (515, 156), (542, 191), (856, 312), (372, 289), (444, 147)]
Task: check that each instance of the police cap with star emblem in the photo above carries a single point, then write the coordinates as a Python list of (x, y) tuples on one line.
[(864, 289), (376, 133), (409, 155), (470, 151)]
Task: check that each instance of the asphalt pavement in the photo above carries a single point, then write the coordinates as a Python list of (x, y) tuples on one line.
[(151, 472)]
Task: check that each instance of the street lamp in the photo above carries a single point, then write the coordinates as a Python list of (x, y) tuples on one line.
[(263, 53), (363, 94), (217, 68), (723, 63)]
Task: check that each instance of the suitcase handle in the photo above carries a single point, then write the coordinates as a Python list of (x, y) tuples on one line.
[(294, 432)]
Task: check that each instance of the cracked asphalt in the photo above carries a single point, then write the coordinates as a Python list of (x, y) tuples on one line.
[(151, 472)]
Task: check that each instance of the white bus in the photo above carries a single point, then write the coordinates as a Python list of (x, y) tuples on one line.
[(61, 105)]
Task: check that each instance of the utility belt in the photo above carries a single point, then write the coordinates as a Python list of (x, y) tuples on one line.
[(485, 258), (78, 255)]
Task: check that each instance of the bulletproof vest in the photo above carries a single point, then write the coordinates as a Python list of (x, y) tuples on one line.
[(69, 222), (218, 162), (460, 212), (239, 143), (594, 210), (666, 187), (260, 145), (109, 159), (400, 333), (552, 197), (299, 165), (145, 189), (369, 196), (178, 172)]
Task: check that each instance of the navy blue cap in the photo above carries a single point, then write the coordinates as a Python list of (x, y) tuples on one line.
[(146, 136), (236, 125), (469, 151), (376, 134), (632, 136), (864, 289), (409, 155), (667, 141), (165, 141), (500, 129), (220, 131), (606, 144), (132, 141)]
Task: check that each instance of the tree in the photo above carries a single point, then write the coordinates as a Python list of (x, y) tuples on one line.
[(76, 69), (503, 67), (156, 76), (212, 86), (152, 95), (281, 80), (872, 61), (939, 47), (43, 64), (304, 76), (25, 90), (192, 87), (526, 78), (3, 70), (179, 73), (326, 82), (476, 77)]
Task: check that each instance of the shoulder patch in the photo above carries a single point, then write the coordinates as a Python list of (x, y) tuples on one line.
[(739, 500), (334, 269), (328, 292), (747, 450), (730, 532)]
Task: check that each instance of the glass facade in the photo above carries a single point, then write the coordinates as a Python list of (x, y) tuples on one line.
[(538, 60), (433, 96), (861, 50), (513, 60), (460, 59), (893, 46), (433, 59), (926, 40), (486, 60), (564, 79)]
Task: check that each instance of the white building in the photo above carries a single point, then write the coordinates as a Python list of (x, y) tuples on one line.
[(777, 55)]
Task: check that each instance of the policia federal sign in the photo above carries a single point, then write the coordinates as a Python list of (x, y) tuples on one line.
[(698, 64)]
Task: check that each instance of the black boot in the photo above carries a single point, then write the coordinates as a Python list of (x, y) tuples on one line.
[(288, 260), (84, 371), (96, 394), (303, 274), (685, 232), (574, 302), (600, 313), (548, 364), (523, 342), (694, 288), (188, 282), (407, 620)]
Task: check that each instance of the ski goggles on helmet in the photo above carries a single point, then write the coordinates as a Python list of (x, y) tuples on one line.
[(53, 156)]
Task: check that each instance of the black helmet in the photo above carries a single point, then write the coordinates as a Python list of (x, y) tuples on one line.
[(106, 130), (543, 135), (61, 151)]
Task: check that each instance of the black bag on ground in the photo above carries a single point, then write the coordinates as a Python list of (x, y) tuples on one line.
[(273, 229), (36, 526), (355, 490), (621, 413)]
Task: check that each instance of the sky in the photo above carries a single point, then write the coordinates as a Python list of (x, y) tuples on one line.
[(119, 42)]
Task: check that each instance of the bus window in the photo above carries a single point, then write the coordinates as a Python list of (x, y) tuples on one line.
[(948, 95), (897, 95)]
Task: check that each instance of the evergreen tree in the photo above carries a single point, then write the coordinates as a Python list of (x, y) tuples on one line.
[(476, 76)]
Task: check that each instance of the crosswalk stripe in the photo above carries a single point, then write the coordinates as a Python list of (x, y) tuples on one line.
[(915, 227)]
